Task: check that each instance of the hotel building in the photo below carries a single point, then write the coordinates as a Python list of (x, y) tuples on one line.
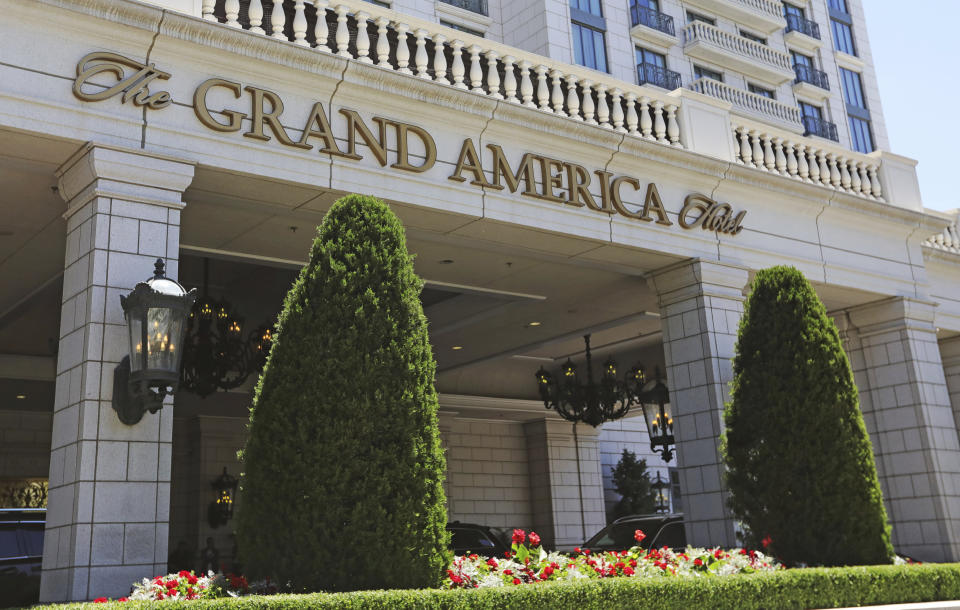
[(618, 168)]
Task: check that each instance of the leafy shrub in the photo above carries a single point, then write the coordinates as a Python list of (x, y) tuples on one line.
[(800, 466), (632, 481), (343, 470)]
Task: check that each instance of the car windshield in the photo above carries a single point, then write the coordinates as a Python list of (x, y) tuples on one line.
[(671, 535), (468, 539), (620, 535)]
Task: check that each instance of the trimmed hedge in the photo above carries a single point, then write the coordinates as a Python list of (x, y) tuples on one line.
[(797, 588)]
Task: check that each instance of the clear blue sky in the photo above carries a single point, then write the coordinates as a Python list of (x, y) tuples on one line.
[(916, 52)]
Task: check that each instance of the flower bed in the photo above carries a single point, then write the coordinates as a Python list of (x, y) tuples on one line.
[(529, 563)]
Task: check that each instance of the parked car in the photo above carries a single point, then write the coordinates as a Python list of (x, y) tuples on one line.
[(661, 530), (475, 538), (21, 554)]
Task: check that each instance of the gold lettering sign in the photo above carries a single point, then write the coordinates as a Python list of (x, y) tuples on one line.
[(134, 87), (536, 176)]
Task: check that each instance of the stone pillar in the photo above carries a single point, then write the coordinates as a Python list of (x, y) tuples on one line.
[(950, 354), (907, 411), (700, 307), (567, 506), (109, 483)]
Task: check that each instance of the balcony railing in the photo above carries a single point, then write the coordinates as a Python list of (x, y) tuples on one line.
[(759, 106), (817, 78), (652, 74), (642, 15), (795, 23), (475, 6), (755, 53), (813, 126)]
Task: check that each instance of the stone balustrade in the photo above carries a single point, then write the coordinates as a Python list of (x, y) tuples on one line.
[(947, 240), (763, 108), (699, 31), (806, 159), (771, 7), (401, 43)]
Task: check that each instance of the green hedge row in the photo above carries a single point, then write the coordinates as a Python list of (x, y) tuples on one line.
[(798, 588)]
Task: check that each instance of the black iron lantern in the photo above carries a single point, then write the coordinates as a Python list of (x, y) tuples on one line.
[(156, 311), (661, 499), (658, 413), (221, 508)]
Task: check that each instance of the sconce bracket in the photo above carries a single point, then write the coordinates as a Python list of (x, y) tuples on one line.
[(131, 401)]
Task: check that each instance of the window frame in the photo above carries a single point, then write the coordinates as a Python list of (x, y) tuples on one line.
[(758, 90), (698, 72), (870, 144), (694, 16)]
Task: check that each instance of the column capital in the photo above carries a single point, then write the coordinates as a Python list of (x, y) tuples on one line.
[(893, 313), (698, 277), (98, 170)]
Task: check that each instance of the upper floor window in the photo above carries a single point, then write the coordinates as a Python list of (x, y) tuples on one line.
[(790, 10), (768, 93), (461, 28), (589, 29), (860, 138), (591, 7), (652, 70), (646, 56), (838, 5), (691, 17), (799, 59), (843, 37), (701, 72), (809, 110), (852, 88), (753, 37), (650, 4)]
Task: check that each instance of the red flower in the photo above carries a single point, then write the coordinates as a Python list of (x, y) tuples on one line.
[(586, 551), (639, 536), (628, 571), (183, 573), (576, 549), (100, 600), (508, 572), (767, 541), (473, 556), (122, 599), (519, 536), (534, 539), (698, 562), (492, 562), (192, 579), (516, 581)]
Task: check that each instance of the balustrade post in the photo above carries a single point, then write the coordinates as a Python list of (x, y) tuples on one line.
[(342, 37), (875, 182), (845, 180), (510, 79), (458, 69), (403, 51), (543, 93), (439, 59), (617, 114), (526, 85), (206, 9), (792, 167), (757, 156), (476, 72), (769, 161), (780, 160), (824, 168), (363, 38), (744, 155), (277, 20), (865, 187), (383, 43), (573, 99), (659, 125), (803, 169), (834, 172), (814, 166), (232, 10), (320, 30), (556, 94), (255, 16), (673, 128), (603, 110), (300, 24), (646, 123), (493, 76), (420, 57), (633, 121), (855, 182), (588, 105)]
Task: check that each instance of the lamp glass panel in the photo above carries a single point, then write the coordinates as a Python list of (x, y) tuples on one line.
[(668, 411), (651, 413), (135, 324), (163, 336)]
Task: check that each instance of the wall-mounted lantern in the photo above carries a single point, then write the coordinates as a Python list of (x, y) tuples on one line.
[(156, 311), (655, 399), (661, 498), (221, 509)]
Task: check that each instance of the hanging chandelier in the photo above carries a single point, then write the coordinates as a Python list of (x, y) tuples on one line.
[(216, 354), (609, 399)]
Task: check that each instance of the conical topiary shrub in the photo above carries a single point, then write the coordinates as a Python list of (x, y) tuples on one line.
[(343, 471), (632, 481), (800, 466)]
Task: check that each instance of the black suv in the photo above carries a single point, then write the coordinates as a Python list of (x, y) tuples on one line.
[(480, 539), (661, 530), (21, 553)]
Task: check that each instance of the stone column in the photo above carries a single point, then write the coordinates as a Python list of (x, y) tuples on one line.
[(567, 505), (109, 483), (700, 307), (950, 354), (907, 412)]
